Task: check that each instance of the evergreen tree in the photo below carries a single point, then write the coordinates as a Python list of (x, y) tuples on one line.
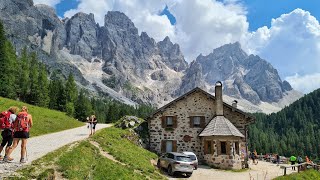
[(34, 94), (83, 106), (7, 66), (23, 76), (11, 70), (71, 95), (43, 85)]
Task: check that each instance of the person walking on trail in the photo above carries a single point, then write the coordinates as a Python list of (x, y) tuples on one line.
[(300, 160), (92, 124), (21, 128), (7, 119), (278, 159), (293, 161), (255, 154)]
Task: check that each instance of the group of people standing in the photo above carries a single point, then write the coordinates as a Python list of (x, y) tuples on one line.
[(92, 122), (15, 126)]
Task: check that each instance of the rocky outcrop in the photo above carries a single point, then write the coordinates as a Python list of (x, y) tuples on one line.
[(246, 77)]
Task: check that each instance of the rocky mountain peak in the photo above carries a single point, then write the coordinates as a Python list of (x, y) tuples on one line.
[(173, 53), (119, 20)]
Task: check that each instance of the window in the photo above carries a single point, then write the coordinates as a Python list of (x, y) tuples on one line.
[(207, 147), (237, 147), (183, 158), (196, 121), (223, 148), (169, 121), (169, 146)]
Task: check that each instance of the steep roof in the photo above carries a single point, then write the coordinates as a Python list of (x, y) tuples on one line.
[(197, 89), (220, 126)]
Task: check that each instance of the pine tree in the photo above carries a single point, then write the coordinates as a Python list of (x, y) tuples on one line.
[(7, 66), (3, 60), (11, 70), (34, 94), (23, 76), (43, 85), (71, 95), (83, 106)]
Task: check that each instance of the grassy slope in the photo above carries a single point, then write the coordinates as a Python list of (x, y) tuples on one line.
[(84, 161), (44, 120), (306, 175)]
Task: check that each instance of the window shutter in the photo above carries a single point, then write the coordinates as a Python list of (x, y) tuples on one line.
[(174, 119), (163, 146), (228, 148), (212, 147), (219, 147), (205, 147), (202, 122), (191, 121), (174, 146), (163, 122)]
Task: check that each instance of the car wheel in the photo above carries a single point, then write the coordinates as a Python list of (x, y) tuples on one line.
[(170, 171), (196, 167), (188, 174)]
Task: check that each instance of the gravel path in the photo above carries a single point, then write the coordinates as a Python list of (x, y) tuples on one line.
[(41, 145), (263, 170)]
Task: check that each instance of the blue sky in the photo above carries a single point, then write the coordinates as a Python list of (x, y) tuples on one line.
[(260, 12)]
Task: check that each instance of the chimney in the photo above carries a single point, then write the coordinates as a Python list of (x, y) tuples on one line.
[(219, 101), (234, 103)]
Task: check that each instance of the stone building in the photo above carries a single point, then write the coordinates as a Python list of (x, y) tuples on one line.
[(202, 123)]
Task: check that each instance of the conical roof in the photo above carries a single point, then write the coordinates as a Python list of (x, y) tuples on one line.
[(220, 126)]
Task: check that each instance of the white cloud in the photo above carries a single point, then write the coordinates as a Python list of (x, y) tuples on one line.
[(305, 83), (203, 25), (51, 3), (144, 14), (291, 44)]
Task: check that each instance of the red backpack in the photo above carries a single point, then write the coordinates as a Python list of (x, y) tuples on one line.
[(22, 122), (4, 120)]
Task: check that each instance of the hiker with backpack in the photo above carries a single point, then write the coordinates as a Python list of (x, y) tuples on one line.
[(21, 128), (6, 120), (92, 124)]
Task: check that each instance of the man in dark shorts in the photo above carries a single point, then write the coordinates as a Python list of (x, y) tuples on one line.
[(6, 134)]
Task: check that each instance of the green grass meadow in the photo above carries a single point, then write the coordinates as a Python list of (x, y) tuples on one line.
[(44, 120), (305, 175), (82, 160)]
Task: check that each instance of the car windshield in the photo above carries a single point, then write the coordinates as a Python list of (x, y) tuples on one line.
[(183, 158), (192, 157)]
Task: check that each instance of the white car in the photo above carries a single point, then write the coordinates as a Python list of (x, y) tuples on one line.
[(176, 162), (194, 159)]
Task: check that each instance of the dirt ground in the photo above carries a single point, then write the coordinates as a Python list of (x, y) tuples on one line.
[(261, 171)]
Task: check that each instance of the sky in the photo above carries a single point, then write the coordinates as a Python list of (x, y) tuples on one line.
[(286, 33)]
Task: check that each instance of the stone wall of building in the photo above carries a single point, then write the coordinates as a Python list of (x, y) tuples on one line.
[(231, 160), (195, 104)]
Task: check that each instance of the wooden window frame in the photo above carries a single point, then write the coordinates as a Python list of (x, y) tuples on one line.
[(164, 144), (202, 122), (237, 148), (167, 118), (225, 147), (164, 122)]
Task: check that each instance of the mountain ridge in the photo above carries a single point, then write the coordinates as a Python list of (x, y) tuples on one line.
[(115, 60)]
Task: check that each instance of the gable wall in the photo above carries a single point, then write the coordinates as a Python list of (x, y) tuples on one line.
[(196, 104)]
